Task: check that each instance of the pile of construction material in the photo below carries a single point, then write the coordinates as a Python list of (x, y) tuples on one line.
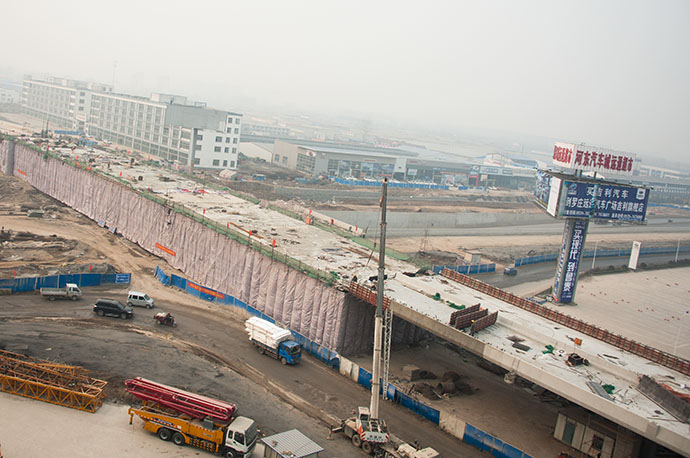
[(450, 384)]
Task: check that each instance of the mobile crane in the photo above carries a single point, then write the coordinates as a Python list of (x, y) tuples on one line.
[(366, 429)]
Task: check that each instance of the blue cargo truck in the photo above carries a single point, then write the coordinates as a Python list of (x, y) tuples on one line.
[(273, 340)]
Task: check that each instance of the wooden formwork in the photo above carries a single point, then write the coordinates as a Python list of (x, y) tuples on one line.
[(61, 384)]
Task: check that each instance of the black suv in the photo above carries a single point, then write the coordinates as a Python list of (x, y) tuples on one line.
[(112, 308)]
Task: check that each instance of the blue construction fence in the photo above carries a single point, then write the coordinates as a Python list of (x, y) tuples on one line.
[(468, 270), (327, 356), (392, 184), (601, 254), (485, 441), (24, 284)]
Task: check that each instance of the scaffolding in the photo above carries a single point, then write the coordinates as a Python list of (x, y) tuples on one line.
[(60, 384)]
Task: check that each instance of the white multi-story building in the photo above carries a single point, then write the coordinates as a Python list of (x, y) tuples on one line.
[(164, 125), (60, 101)]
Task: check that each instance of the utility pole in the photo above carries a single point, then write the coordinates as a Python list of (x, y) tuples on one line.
[(378, 322)]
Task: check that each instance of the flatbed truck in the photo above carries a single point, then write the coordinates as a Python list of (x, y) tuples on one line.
[(70, 291)]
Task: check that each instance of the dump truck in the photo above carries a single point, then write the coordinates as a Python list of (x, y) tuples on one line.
[(188, 418), (70, 291), (273, 340)]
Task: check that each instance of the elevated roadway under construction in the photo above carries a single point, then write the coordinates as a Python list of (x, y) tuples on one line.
[(244, 249)]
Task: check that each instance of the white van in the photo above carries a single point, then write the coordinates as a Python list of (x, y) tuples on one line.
[(139, 299)]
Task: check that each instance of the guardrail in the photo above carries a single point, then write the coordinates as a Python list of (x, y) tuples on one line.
[(474, 269), (391, 184), (601, 254), (665, 359)]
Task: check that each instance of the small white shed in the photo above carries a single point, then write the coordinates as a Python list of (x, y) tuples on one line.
[(290, 444)]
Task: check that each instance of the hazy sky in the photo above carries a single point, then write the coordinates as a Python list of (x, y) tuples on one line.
[(607, 73)]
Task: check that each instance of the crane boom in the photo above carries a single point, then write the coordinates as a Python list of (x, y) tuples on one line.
[(378, 322)]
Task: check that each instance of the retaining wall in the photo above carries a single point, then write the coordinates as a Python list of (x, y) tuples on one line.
[(289, 294)]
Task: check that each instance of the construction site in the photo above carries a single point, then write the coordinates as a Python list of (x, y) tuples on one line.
[(469, 368)]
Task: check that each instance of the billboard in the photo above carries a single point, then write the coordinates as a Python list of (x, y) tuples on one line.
[(565, 196), (593, 159), (547, 191), (606, 201)]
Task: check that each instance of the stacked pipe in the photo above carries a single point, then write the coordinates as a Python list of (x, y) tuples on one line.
[(194, 405)]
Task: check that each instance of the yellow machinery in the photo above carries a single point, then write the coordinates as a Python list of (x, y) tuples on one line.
[(236, 440), (60, 384)]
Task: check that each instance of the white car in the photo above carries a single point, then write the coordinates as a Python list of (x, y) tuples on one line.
[(139, 299)]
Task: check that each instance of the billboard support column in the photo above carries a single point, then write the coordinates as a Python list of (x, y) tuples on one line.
[(574, 235)]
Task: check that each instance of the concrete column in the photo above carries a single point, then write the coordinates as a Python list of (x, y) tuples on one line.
[(574, 235)]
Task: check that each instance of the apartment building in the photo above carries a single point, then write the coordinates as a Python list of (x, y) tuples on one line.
[(165, 125)]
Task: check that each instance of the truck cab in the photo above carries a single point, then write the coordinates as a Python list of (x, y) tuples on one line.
[(291, 351), (240, 438)]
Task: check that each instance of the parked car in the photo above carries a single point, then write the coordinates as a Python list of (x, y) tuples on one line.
[(112, 307), (510, 271), (139, 299)]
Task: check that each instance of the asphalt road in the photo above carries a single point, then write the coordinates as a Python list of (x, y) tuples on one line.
[(654, 225), (547, 270), (208, 352)]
